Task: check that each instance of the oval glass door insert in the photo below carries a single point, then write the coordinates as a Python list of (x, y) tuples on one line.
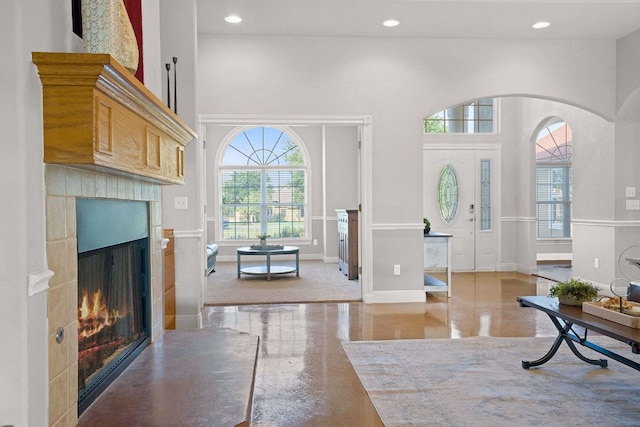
[(448, 194)]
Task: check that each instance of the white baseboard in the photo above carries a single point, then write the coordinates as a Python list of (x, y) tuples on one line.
[(555, 257), (508, 266), (528, 270), (381, 297), (189, 321)]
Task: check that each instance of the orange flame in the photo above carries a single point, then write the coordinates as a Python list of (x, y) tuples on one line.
[(94, 316)]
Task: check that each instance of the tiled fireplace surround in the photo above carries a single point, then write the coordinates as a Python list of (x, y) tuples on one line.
[(63, 185)]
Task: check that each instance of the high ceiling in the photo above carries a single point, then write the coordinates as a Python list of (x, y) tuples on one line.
[(570, 19)]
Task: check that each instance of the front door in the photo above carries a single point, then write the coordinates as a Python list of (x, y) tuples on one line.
[(471, 220)]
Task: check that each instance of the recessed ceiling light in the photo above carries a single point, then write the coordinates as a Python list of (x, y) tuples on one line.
[(233, 19), (391, 23), (540, 25)]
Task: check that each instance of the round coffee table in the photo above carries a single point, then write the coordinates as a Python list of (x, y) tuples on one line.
[(268, 269)]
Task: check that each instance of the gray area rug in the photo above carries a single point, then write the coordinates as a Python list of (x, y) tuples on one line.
[(480, 382), (318, 282)]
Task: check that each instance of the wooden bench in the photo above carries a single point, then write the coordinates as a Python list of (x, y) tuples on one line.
[(564, 317)]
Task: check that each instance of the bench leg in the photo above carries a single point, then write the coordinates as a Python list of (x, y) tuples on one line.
[(563, 335)]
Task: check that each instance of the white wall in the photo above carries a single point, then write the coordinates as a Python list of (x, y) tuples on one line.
[(627, 70), (626, 171), (151, 47), (397, 82), (36, 25), (342, 181), (178, 39)]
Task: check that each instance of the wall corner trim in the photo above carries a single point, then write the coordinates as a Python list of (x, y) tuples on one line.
[(39, 282)]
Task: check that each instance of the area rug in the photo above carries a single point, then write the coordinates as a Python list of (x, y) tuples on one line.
[(480, 382), (318, 282)]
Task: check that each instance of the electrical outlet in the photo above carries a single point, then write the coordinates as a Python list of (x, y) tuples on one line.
[(396, 269), (180, 203), (633, 204), (596, 263), (630, 191), (315, 242)]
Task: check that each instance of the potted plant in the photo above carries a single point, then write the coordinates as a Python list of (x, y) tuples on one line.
[(427, 225), (263, 239), (574, 292)]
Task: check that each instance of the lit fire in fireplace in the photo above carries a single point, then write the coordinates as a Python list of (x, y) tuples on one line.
[(93, 315)]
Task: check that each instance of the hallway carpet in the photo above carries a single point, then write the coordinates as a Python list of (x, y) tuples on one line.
[(318, 282), (479, 381)]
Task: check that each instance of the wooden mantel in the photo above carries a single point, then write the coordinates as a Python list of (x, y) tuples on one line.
[(97, 115)]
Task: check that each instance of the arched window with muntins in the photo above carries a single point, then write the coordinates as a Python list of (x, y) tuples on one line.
[(263, 180), (554, 181)]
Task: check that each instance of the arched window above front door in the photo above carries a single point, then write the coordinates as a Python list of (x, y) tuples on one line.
[(473, 117)]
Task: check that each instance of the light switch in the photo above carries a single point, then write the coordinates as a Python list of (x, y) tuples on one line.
[(630, 191), (633, 205)]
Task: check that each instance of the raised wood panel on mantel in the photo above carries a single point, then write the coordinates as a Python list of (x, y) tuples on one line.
[(97, 115)]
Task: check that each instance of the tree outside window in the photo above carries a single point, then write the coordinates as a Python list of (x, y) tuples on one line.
[(471, 117), (263, 186)]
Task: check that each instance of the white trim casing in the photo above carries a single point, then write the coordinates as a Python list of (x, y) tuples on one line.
[(378, 297), (190, 282), (364, 122), (39, 282), (188, 321)]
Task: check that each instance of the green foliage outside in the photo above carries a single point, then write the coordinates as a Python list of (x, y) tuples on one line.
[(293, 156), (242, 200), (275, 230), (433, 125), (243, 188)]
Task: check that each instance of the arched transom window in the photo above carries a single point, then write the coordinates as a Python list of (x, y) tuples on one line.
[(471, 117), (263, 185), (554, 180)]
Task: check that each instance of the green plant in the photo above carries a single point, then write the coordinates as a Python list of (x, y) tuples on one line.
[(575, 289), (262, 236), (427, 224)]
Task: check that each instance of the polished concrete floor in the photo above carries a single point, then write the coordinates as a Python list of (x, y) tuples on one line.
[(303, 377)]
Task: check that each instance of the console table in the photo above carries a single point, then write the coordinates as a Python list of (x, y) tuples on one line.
[(437, 254), (565, 316), (268, 269)]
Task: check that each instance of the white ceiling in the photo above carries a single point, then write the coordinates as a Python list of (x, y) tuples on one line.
[(570, 19)]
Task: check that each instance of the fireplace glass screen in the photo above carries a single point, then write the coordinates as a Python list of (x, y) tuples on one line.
[(111, 311)]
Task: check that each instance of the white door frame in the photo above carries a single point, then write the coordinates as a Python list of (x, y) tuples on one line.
[(366, 170)]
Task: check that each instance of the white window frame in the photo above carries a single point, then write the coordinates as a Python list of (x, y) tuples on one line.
[(496, 120), (221, 168)]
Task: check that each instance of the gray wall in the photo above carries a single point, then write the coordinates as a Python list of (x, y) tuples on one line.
[(397, 82)]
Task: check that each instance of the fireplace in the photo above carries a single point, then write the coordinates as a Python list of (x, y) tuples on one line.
[(105, 136), (113, 289)]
